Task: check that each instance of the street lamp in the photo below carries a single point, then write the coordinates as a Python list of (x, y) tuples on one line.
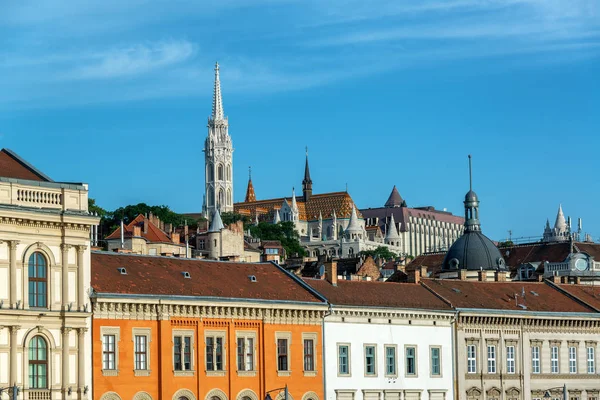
[(15, 391), (285, 393), (548, 395)]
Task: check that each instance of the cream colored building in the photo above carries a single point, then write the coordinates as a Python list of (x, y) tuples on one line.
[(45, 311)]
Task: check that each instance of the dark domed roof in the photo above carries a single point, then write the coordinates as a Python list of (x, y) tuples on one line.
[(471, 196), (473, 251)]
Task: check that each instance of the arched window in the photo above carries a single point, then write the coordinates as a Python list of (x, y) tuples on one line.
[(211, 172), (211, 196), (38, 281), (183, 398), (228, 172), (229, 197), (220, 172), (38, 363), (221, 200)]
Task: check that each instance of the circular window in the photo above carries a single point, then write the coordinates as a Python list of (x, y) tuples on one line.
[(454, 263), (500, 262)]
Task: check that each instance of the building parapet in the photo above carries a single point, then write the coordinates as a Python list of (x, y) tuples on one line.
[(50, 195)]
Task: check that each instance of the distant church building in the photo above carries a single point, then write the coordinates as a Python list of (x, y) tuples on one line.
[(218, 156), (562, 229), (415, 230)]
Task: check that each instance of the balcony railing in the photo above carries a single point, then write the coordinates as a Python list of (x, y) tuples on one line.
[(44, 195)]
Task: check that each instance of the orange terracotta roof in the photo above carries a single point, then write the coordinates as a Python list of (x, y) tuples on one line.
[(154, 234), (587, 293), (538, 296), (250, 195), (377, 294), (163, 276), (13, 166), (324, 203)]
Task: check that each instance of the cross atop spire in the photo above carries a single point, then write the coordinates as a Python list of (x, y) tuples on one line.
[(217, 109)]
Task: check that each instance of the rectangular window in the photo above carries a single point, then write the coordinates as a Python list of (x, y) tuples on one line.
[(370, 360), (309, 355), (214, 353), (282, 354), (390, 360), (141, 352), (108, 352), (535, 359), (554, 365), (510, 359), (343, 359), (182, 353), (591, 360), (435, 361), (411, 360), (471, 359), (572, 359), (491, 359)]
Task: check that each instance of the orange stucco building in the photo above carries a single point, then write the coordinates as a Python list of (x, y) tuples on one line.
[(168, 328)]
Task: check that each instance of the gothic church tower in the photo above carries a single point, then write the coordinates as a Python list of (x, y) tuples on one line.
[(218, 158)]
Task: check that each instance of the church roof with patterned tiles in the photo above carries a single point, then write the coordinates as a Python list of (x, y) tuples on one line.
[(154, 234), (325, 203), (164, 276), (13, 166)]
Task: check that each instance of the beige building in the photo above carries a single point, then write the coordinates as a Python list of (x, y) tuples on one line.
[(45, 342)]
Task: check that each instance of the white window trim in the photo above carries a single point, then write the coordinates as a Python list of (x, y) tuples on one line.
[(310, 336), (116, 331), (374, 374), (557, 359), (348, 357), (416, 374), (573, 360), (539, 359), (142, 332), (216, 334), (513, 359), (246, 335), (588, 359), (492, 362), (431, 374), (185, 333), (395, 347), (288, 336), (474, 358)]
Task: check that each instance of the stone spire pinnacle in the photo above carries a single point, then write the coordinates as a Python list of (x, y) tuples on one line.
[(306, 182), (392, 232), (277, 217), (217, 108), (560, 223), (294, 204), (250, 195), (217, 223)]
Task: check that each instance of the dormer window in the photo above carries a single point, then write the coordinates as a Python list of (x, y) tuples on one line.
[(122, 270)]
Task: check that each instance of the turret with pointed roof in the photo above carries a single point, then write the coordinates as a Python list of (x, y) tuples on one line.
[(561, 231), (395, 200), (306, 182), (217, 223), (250, 195), (392, 233)]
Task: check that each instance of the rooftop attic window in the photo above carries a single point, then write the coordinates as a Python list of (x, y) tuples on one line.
[(186, 275), (456, 290), (252, 278), (534, 293), (523, 306), (122, 270)]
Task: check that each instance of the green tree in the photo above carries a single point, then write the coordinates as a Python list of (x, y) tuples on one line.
[(381, 252), (285, 232), (233, 217)]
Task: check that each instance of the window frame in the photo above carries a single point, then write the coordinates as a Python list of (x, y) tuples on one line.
[(394, 349), (511, 362), (183, 334), (366, 363), (305, 337), (36, 362), (492, 358), (572, 359), (36, 281), (590, 361), (147, 333), (439, 361), (554, 358), (245, 336), (348, 358), (471, 358), (116, 332), (216, 335), (536, 361), (415, 361), (288, 337)]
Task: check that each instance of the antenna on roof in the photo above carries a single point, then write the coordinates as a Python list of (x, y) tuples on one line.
[(470, 175)]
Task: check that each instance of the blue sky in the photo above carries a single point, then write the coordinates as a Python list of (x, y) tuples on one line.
[(383, 93)]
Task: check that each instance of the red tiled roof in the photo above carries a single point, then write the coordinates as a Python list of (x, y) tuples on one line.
[(324, 203), (377, 294), (587, 293), (592, 249), (13, 166), (402, 215), (154, 234), (501, 295), (535, 252), (163, 276)]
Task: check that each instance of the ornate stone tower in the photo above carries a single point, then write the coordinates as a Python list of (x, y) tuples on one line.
[(218, 158)]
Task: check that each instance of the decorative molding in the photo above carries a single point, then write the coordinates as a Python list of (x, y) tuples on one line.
[(247, 393), (142, 396), (218, 393), (110, 396), (184, 393), (310, 396)]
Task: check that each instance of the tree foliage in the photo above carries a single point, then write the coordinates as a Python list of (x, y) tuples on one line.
[(381, 252), (233, 217), (285, 232)]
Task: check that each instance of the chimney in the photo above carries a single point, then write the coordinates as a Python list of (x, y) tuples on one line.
[(577, 280), (540, 278), (137, 231), (555, 279), (565, 279), (122, 235), (169, 228), (462, 274), (175, 237), (151, 217), (414, 276), (500, 276), (145, 225), (482, 275), (423, 271), (331, 274)]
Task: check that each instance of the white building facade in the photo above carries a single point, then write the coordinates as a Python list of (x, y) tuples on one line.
[(45, 313)]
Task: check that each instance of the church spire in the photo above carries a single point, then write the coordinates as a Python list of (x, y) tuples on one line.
[(217, 108), (250, 195), (306, 182)]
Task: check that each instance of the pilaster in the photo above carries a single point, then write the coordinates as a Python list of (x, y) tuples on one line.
[(81, 277), (81, 332), (12, 246), (65, 360), (13, 353), (65, 275)]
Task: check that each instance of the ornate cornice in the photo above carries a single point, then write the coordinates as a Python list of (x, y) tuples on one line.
[(147, 311), (32, 223), (530, 323), (391, 314)]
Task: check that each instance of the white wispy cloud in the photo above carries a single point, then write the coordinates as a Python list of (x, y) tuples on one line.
[(134, 60)]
